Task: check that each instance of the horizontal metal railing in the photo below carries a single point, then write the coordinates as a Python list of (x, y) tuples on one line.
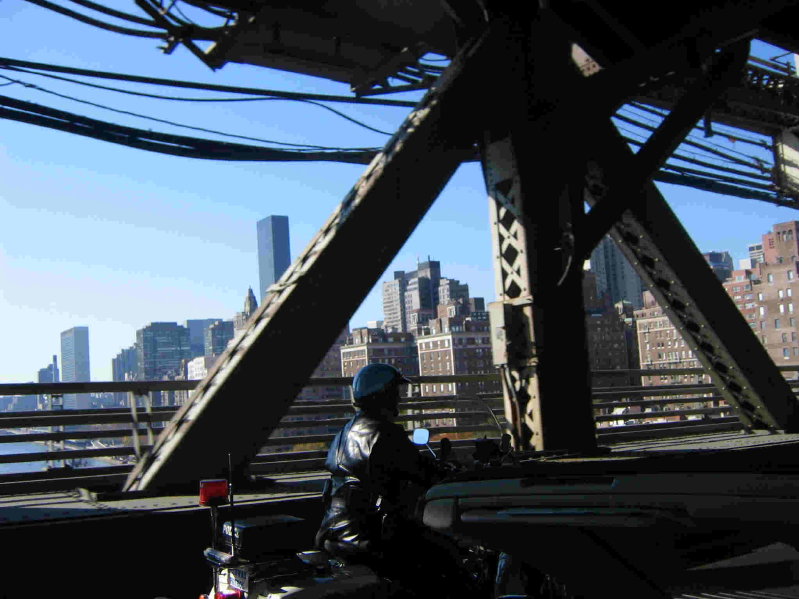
[(308, 427)]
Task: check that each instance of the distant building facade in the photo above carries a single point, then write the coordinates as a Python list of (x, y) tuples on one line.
[(720, 263), (456, 345), (161, 348), (197, 329), (615, 276), (75, 365), (410, 299), (274, 254), (124, 367), (329, 367), (368, 346), (217, 337), (241, 318)]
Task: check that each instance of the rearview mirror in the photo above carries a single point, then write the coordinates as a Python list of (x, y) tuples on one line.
[(421, 436)]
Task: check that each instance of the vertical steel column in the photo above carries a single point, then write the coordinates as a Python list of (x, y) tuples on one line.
[(539, 322)]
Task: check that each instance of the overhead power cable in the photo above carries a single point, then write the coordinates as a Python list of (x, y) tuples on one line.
[(166, 143), (116, 13), (202, 86), (143, 116), (101, 24), (158, 120)]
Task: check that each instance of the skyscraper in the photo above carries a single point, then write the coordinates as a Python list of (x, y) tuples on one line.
[(217, 337), (75, 363), (123, 368), (410, 299), (274, 255), (197, 329), (615, 275), (160, 348)]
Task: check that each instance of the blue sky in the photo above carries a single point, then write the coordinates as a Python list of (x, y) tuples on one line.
[(114, 238)]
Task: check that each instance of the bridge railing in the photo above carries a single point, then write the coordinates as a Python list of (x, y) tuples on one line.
[(66, 449)]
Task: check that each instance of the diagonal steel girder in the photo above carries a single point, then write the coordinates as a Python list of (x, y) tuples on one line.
[(237, 406), (653, 240)]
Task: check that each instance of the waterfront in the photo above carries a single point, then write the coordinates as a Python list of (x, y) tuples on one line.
[(13, 448)]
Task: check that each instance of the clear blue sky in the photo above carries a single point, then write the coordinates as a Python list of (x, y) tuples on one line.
[(115, 238)]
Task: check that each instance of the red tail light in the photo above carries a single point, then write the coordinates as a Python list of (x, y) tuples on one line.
[(229, 594), (213, 492)]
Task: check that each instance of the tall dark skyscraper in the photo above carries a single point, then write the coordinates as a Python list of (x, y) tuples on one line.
[(75, 363), (160, 348), (197, 329), (615, 275), (274, 255)]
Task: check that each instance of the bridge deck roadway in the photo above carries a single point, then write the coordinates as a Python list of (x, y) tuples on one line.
[(117, 535)]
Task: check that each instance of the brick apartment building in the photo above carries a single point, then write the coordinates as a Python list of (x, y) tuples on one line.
[(456, 345), (368, 346)]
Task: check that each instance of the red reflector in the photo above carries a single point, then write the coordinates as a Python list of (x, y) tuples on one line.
[(213, 492), (229, 594)]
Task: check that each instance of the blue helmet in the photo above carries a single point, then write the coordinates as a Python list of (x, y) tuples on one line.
[(373, 380)]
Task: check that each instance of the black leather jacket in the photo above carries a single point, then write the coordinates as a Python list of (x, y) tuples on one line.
[(371, 462)]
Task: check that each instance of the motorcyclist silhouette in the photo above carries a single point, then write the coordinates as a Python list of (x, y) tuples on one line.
[(371, 462), (377, 475)]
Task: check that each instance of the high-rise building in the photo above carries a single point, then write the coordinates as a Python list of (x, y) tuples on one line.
[(615, 275), (241, 318), (124, 368), (197, 328), (48, 374), (75, 364), (781, 244), (410, 299), (368, 346), (217, 336), (160, 349), (456, 345), (274, 254), (720, 263), (662, 347)]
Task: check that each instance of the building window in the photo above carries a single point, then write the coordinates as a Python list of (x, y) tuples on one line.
[(776, 323), (762, 310), (786, 353), (770, 278), (785, 337), (789, 291), (781, 293), (790, 275), (782, 308), (760, 297), (790, 308)]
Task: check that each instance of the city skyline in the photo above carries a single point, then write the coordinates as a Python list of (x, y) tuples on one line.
[(178, 243)]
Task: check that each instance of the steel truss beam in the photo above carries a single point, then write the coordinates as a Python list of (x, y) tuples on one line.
[(236, 407), (536, 212), (655, 243)]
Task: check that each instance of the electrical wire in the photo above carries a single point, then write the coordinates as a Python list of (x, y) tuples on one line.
[(156, 119), (101, 24), (690, 142), (692, 139), (762, 143), (116, 13), (10, 62), (333, 110), (165, 143)]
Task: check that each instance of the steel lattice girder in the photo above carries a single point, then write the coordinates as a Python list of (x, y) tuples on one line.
[(655, 243), (241, 401)]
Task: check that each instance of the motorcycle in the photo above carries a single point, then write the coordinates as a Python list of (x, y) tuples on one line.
[(249, 562)]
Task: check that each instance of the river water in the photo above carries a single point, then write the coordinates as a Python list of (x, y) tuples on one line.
[(11, 448)]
